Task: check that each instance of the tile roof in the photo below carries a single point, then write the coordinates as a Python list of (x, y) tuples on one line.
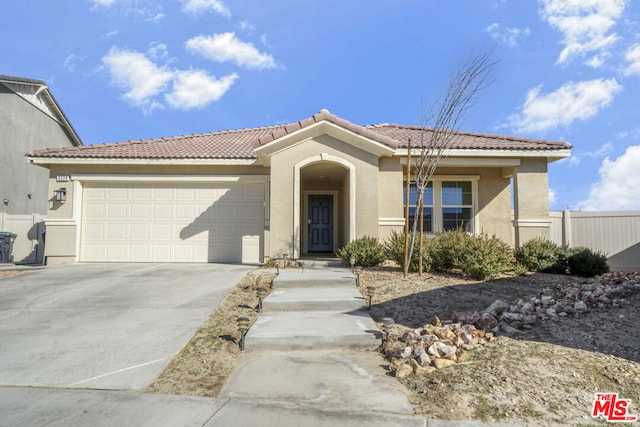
[(240, 144)]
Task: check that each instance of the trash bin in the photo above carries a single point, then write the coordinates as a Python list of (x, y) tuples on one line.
[(6, 246)]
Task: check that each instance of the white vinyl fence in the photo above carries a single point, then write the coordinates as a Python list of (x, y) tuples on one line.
[(616, 234), (28, 247)]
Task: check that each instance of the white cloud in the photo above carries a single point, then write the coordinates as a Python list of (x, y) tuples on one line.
[(156, 18), (134, 72), (507, 35), (226, 47), (605, 149), (553, 197), (148, 10), (158, 50), (72, 62), (246, 26), (103, 3), (585, 25), (576, 157), (196, 89), (633, 133), (197, 6), (633, 58), (145, 82), (571, 102), (572, 161), (619, 185)]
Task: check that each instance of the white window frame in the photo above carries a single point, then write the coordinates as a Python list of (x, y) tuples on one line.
[(437, 206)]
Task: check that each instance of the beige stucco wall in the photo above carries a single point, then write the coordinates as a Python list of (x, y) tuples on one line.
[(283, 165), (531, 201), (390, 203)]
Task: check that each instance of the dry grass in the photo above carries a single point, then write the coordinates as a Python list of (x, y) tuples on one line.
[(202, 367)]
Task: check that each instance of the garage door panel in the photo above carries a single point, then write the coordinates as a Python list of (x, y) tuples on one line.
[(117, 193), (116, 211), (162, 194), (174, 223), (185, 212), (139, 210), (117, 231)]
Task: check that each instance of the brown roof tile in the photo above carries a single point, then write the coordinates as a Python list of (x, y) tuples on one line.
[(240, 144)]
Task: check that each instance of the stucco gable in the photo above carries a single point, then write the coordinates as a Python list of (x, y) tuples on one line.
[(323, 123)]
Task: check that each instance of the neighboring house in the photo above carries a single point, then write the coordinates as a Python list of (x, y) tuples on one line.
[(301, 189), (30, 118)]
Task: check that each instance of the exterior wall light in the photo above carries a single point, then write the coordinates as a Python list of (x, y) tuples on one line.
[(371, 290), (262, 293), (243, 327), (60, 195)]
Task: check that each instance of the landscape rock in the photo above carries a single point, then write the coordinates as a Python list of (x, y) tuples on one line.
[(443, 363), (469, 317), (497, 307), (404, 370)]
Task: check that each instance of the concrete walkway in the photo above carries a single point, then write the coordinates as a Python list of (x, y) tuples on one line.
[(311, 360)]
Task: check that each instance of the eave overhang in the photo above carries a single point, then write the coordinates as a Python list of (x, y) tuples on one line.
[(550, 154)]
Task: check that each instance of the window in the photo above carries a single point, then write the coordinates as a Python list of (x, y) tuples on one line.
[(427, 205), (448, 204), (457, 205)]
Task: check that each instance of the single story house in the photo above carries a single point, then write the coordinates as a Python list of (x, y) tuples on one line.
[(303, 188)]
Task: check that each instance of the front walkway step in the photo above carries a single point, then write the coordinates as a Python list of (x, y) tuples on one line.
[(300, 277), (330, 298), (320, 263), (313, 330), (335, 380)]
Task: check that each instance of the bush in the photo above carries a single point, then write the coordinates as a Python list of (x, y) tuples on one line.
[(586, 263), (487, 256), (368, 251), (394, 248), (447, 250), (479, 256), (538, 254)]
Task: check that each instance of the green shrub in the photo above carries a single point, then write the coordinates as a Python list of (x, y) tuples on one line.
[(586, 263), (447, 250), (394, 248), (486, 256), (479, 256), (538, 254), (368, 251)]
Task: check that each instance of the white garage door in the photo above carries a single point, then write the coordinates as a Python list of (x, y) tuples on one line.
[(172, 222)]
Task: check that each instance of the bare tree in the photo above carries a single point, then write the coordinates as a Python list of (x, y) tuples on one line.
[(434, 141)]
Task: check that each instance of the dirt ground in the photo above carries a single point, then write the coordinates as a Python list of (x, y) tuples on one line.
[(544, 376)]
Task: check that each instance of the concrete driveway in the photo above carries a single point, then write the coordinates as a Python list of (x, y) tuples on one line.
[(107, 326)]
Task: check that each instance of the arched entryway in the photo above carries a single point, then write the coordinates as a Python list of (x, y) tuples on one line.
[(324, 209)]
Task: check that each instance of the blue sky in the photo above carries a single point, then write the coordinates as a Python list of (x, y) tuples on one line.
[(569, 70)]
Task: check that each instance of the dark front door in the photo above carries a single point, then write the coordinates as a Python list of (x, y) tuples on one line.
[(320, 223)]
